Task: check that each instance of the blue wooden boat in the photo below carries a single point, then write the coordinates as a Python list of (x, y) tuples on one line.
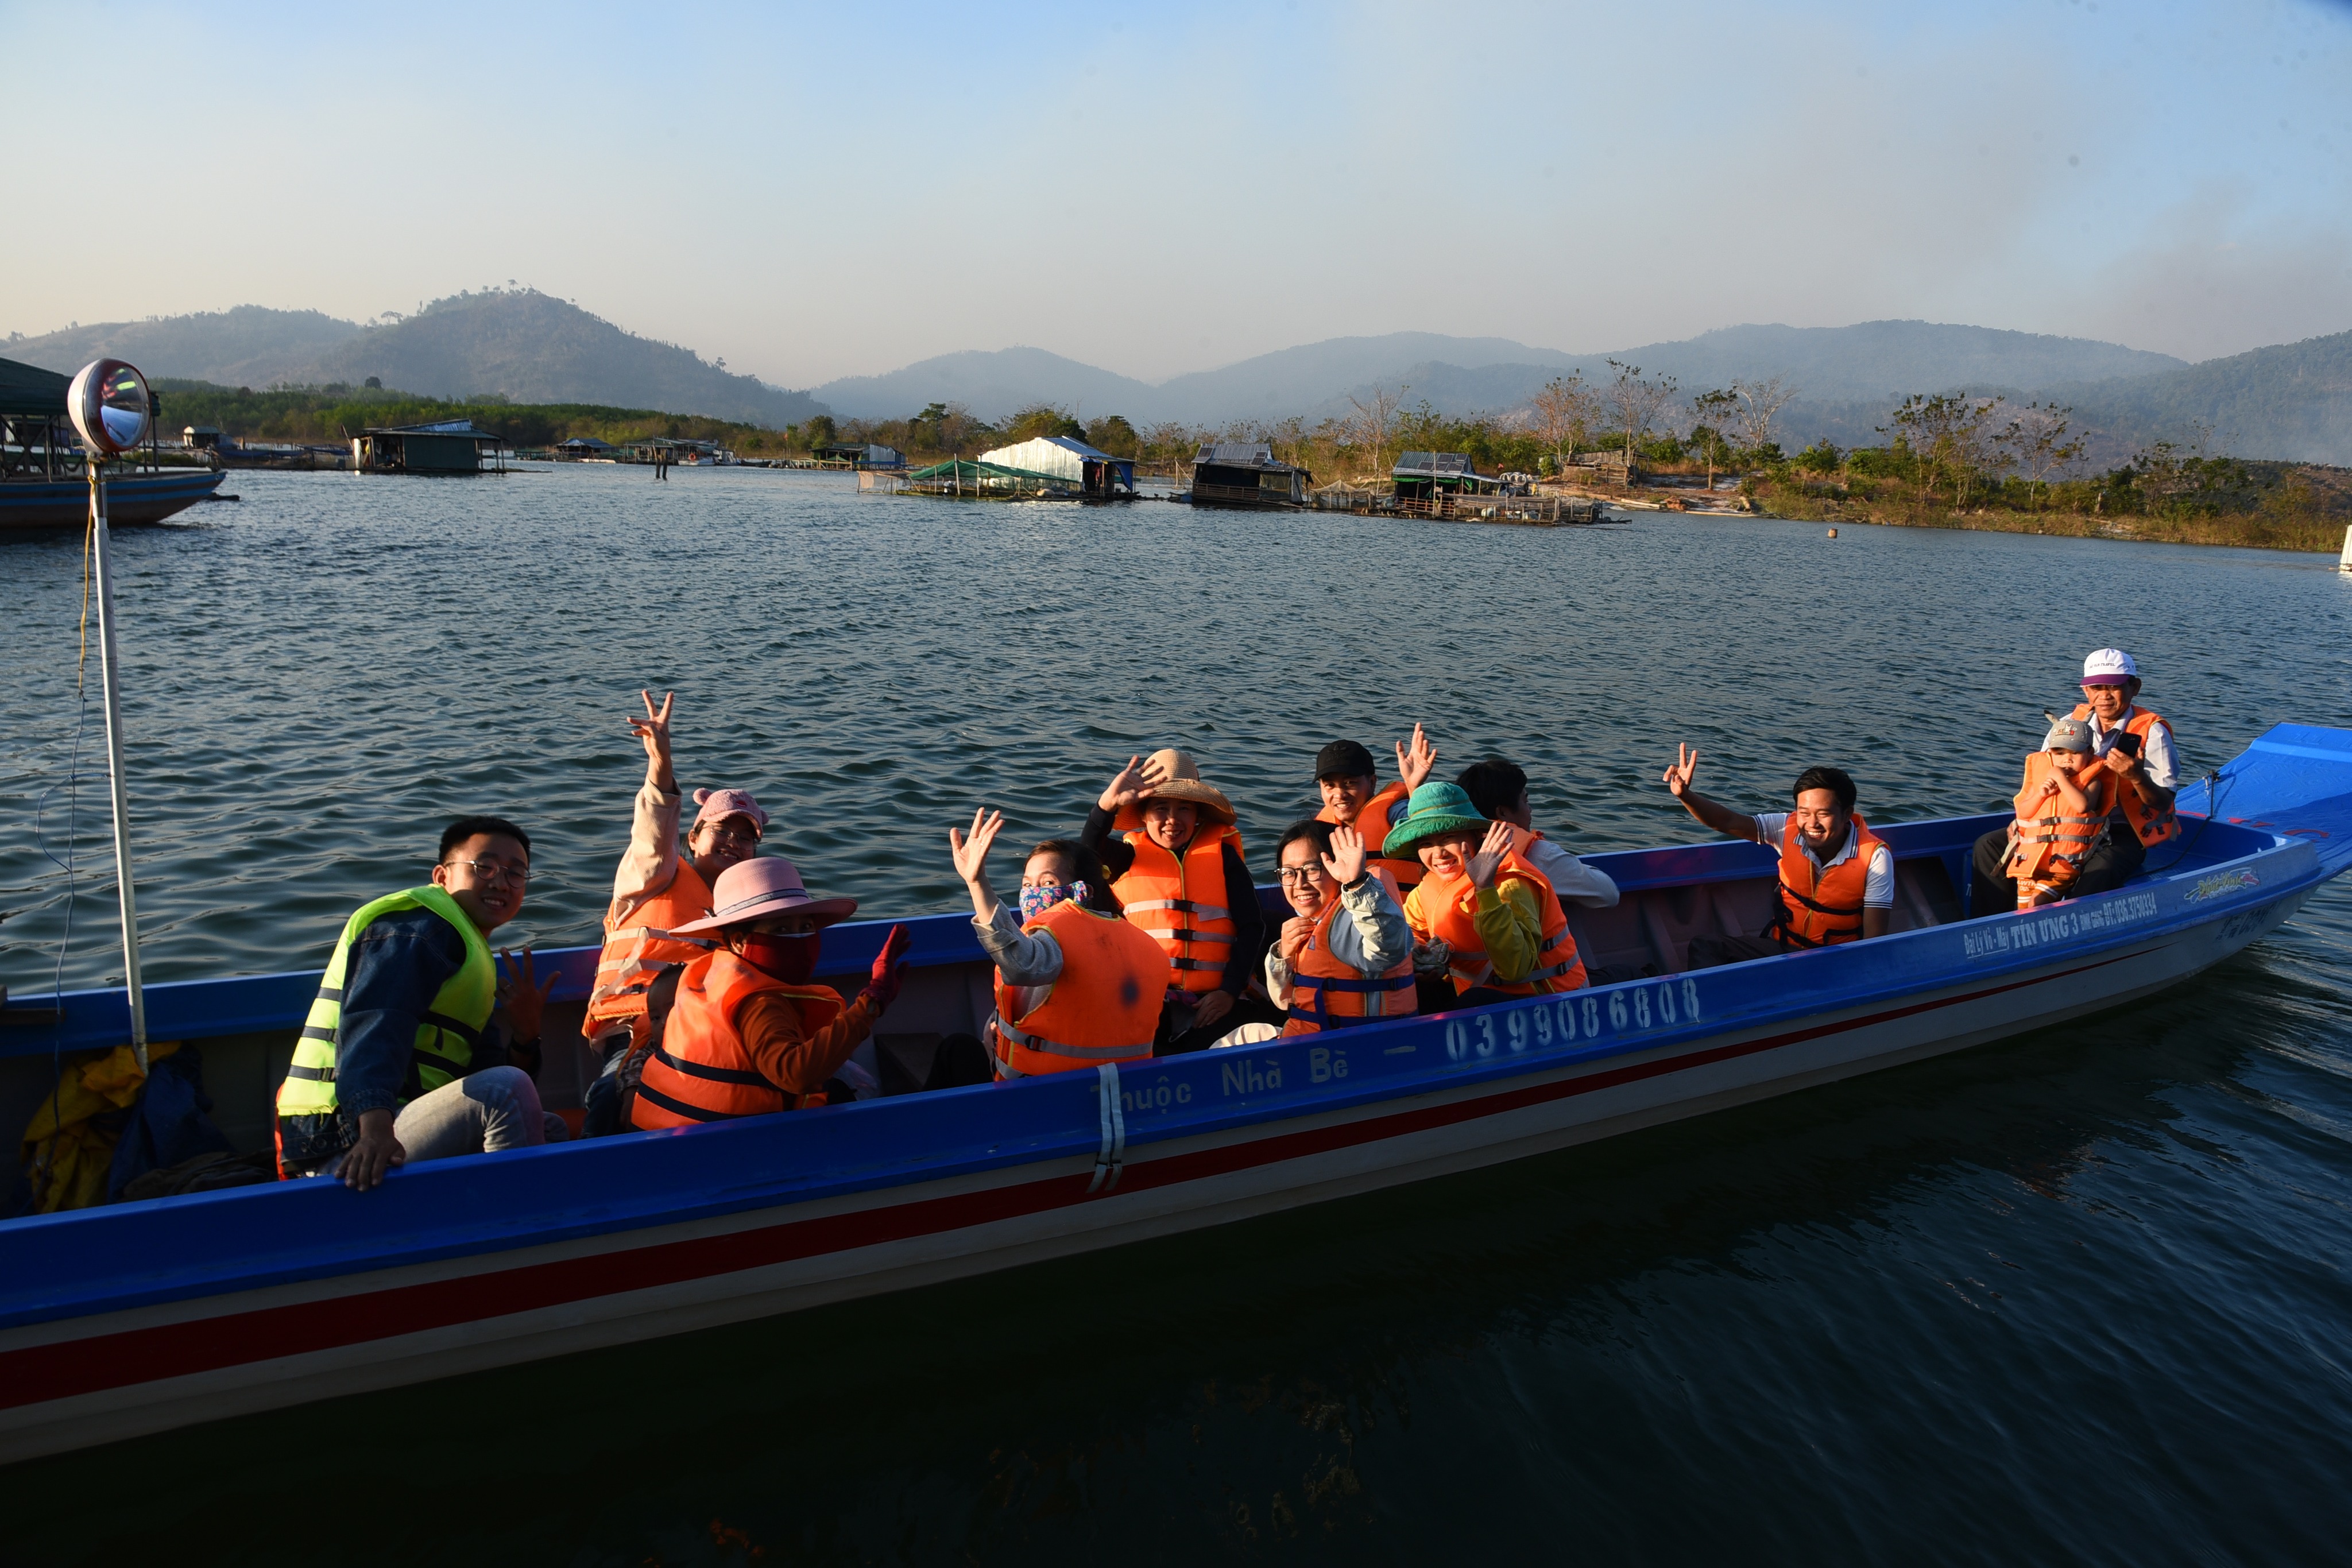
[(145, 1316), (130, 498)]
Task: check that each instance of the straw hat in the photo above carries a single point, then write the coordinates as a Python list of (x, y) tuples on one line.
[(762, 889), (1183, 783)]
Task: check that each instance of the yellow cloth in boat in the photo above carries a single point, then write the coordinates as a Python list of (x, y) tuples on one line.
[(66, 1157)]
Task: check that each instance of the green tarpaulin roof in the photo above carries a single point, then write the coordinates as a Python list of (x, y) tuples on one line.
[(968, 469), (28, 389)]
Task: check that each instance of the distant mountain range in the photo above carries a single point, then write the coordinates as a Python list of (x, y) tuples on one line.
[(1876, 359), (2289, 402), (522, 345)]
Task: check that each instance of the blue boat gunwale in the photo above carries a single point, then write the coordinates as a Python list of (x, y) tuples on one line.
[(204, 1245), (250, 1004)]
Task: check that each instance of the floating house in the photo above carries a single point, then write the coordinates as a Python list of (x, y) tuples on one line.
[(452, 446), (1090, 471), (1426, 476), (580, 448), (861, 454), (984, 481), (1245, 474)]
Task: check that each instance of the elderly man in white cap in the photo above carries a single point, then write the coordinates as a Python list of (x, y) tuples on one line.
[(2137, 747), (657, 890)]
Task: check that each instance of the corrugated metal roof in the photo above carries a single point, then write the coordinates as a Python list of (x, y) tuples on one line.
[(465, 427), (1432, 465), (1244, 453), (28, 389), (1058, 455)]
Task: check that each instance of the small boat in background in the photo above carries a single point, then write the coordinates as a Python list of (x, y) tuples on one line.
[(43, 481), (144, 1316)]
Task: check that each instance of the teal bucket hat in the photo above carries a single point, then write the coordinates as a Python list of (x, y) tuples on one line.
[(1434, 809)]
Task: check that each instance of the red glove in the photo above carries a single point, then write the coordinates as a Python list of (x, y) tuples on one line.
[(889, 969)]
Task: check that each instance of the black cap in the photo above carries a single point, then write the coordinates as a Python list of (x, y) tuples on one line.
[(1345, 759)]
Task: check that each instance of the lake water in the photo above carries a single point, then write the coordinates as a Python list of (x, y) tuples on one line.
[(2080, 1297)]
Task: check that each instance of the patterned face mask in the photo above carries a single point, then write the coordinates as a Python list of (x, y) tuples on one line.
[(1036, 901)]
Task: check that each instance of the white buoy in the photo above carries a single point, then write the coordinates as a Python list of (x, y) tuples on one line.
[(2344, 563)]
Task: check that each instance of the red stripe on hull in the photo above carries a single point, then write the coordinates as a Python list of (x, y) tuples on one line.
[(66, 1369)]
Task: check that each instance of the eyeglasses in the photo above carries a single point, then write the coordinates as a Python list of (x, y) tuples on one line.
[(487, 872), (1298, 875), (718, 831)]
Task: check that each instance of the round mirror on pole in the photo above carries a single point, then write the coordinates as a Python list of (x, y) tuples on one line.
[(110, 406)]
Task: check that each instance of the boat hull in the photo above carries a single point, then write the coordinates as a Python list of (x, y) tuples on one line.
[(131, 498), (147, 1316)]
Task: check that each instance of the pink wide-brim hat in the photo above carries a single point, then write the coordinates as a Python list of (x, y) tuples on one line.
[(762, 889)]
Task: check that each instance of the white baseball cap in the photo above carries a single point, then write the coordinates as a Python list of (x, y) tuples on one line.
[(2108, 667)]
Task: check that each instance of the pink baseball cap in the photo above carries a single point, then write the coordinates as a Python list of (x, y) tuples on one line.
[(2108, 667), (718, 805), (762, 889)]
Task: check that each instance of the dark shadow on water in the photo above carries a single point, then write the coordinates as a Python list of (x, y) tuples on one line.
[(1344, 1382)]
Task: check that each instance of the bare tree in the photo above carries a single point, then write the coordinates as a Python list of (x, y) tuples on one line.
[(1564, 414), (1763, 402), (1709, 413), (1944, 434), (1371, 426), (1635, 402), (2034, 443)]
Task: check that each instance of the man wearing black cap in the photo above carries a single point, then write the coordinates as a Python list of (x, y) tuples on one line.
[(1349, 780)]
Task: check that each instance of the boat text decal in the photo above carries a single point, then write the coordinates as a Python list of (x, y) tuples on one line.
[(2222, 883), (1992, 938), (1544, 1021)]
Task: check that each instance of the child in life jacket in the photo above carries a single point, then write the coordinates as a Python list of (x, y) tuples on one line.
[(2061, 810)]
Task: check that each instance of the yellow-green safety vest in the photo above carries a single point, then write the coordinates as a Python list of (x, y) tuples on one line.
[(445, 1035)]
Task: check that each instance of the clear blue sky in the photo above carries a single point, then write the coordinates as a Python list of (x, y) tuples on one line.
[(1164, 188)]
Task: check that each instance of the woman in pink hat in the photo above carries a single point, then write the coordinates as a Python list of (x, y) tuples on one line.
[(657, 890), (751, 1031)]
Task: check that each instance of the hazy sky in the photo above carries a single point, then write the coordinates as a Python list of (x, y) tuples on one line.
[(1164, 188)]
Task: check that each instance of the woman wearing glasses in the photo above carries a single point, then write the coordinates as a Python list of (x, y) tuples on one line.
[(1346, 956), (398, 1060)]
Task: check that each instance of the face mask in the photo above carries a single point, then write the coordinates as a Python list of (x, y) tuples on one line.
[(792, 959), (1036, 901)]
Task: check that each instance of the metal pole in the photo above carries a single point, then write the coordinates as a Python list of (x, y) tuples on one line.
[(111, 689)]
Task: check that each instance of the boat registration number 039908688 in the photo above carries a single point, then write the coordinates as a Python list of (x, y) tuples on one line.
[(1578, 1015)]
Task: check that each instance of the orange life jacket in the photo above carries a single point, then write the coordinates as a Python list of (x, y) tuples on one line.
[(2154, 824), (1326, 993), (1184, 904), (702, 1071), (1104, 1006), (1444, 910), (1383, 812), (1820, 906), (635, 954), (2047, 842)]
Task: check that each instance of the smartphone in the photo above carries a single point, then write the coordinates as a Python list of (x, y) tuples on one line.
[(2128, 744)]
